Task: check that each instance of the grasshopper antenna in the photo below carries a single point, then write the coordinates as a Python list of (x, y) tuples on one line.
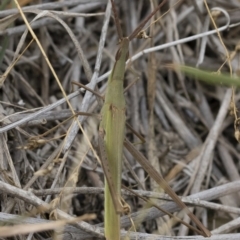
[(141, 25), (117, 22)]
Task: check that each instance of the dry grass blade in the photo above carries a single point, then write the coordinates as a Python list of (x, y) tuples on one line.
[(5, 22), (31, 228)]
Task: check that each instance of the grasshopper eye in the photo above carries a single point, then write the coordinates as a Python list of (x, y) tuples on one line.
[(118, 54), (127, 56)]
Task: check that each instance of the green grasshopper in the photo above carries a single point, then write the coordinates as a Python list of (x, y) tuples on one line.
[(112, 130), (112, 139)]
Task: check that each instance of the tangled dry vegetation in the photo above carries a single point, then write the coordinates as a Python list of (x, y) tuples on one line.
[(48, 167)]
